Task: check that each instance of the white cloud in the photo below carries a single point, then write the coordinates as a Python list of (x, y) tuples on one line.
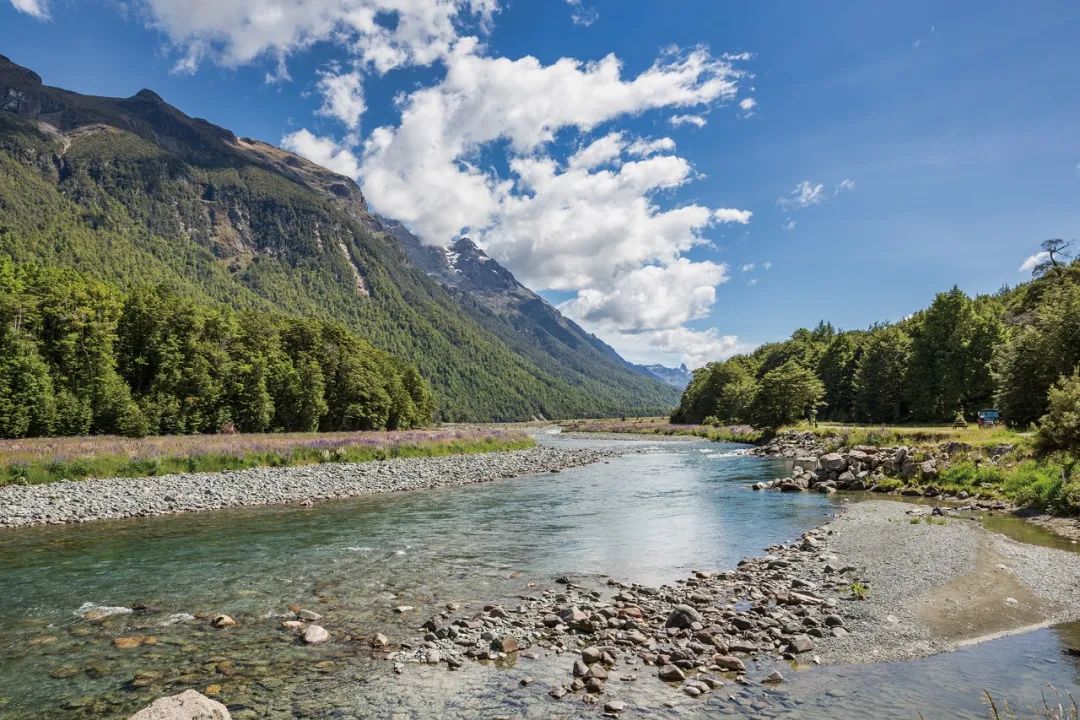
[(748, 267), (845, 185), (322, 150), (808, 193), (343, 97), (679, 120), (677, 345), (36, 8), (582, 12), (601, 151), (644, 148), (383, 34), (1029, 263), (592, 224), (731, 215), (789, 224), (767, 264), (747, 105), (803, 195), (652, 297), (752, 281)]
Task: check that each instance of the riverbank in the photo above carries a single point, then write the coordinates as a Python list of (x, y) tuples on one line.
[(882, 582), (88, 500), (29, 461)]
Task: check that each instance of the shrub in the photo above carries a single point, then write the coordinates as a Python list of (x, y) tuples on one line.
[(1059, 428)]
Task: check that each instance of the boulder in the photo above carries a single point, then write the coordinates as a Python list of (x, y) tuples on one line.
[(188, 705), (809, 463), (670, 673), (800, 643), (222, 621), (683, 616), (729, 662), (832, 461)]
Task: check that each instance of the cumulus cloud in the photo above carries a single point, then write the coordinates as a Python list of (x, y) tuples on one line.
[(383, 34), (591, 221), (36, 8), (1032, 261), (748, 267), (343, 97), (693, 347), (653, 297), (747, 106), (680, 120)]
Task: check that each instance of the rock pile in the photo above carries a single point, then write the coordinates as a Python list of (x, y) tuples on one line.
[(695, 635)]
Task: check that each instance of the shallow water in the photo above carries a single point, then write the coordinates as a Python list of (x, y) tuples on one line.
[(649, 517)]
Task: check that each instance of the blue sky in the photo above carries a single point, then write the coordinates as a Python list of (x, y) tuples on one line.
[(867, 154)]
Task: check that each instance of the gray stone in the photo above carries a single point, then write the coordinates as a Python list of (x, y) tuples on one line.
[(188, 705)]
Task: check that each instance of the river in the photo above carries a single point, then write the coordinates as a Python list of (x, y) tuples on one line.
[(649, 517)]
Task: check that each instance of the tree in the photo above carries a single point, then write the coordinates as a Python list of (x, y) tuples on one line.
[(784, 395), (27, 405), (722, 390), (836, 368), (879, 379), (1045, 347), (1059, 428), (1053, 256), (952, 346)]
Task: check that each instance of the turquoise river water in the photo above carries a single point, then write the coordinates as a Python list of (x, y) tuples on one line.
[(648, 517)]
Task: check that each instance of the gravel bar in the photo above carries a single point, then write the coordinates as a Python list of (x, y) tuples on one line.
[(87, 500), (938, 583)]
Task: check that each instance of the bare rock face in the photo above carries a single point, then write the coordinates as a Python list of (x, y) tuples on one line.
[(188, 705)]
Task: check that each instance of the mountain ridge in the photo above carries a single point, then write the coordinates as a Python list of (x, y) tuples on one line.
[(134, 191)]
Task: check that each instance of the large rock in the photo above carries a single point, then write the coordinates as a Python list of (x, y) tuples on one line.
[(683, 616), (832, 461), (188, 705)]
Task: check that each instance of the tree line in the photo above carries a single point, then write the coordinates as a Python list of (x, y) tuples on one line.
[(80, 356), (959, 355)]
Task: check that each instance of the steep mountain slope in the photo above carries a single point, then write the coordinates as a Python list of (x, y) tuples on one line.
[(495, 299), (134, 191)]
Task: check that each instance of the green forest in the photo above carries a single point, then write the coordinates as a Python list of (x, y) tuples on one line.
[(79, 356), (961, 354)]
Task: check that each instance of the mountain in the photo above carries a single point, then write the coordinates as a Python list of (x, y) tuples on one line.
[(677, 378), (495, 299), (133, 191)]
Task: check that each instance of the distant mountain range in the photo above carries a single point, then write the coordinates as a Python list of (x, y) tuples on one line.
[(134, 191), (677, 378)]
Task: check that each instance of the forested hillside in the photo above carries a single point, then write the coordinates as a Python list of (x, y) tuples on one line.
[(80, 357), (133, 192), (959, 355)]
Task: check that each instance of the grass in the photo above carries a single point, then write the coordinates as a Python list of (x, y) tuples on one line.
[(1061, 708), (888, 435), (860, 591), (661, 426), (43, 460)]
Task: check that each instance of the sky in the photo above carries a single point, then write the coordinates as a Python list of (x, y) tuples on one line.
[(687, 179)]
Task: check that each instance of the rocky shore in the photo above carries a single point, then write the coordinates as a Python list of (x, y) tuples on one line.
[(903, 470), (87, 500), (710, 630), (884, 581)]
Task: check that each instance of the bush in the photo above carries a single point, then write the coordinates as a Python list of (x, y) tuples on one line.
[(1059, 428)]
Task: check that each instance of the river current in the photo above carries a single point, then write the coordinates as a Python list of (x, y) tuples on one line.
[(651, 517)]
